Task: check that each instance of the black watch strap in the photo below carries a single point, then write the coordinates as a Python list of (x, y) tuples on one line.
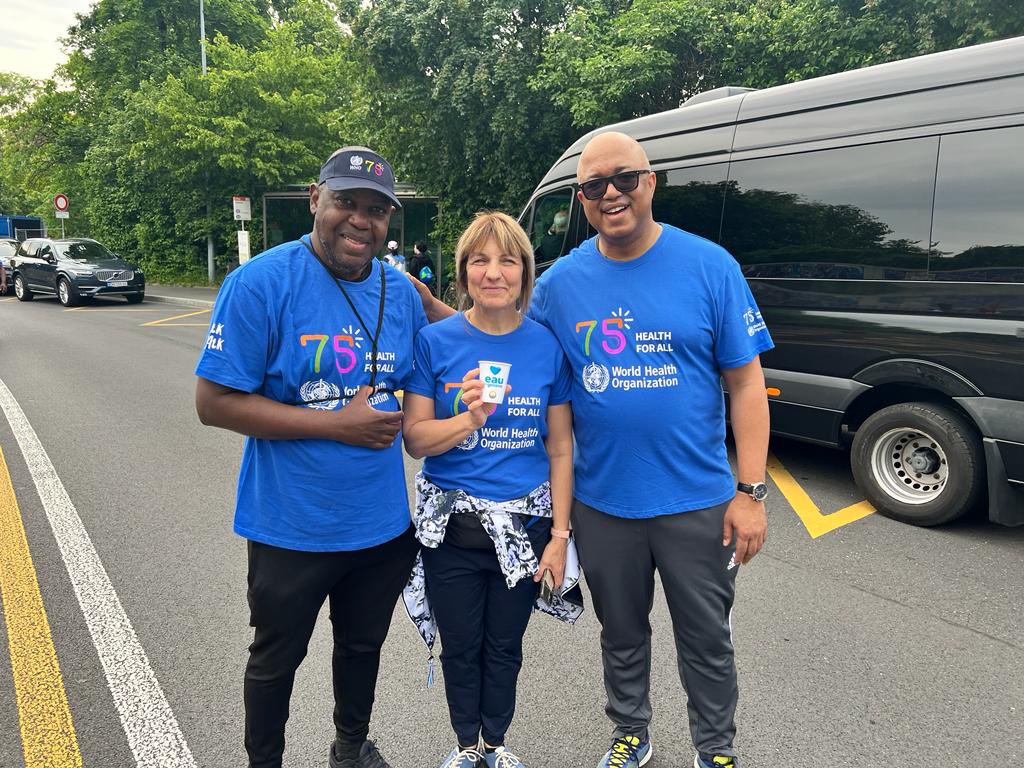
[(756, 491)]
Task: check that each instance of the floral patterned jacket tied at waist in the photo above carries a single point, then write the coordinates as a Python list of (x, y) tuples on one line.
[(500, 519)]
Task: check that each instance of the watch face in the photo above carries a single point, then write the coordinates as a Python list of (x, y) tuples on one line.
[(760, 492)]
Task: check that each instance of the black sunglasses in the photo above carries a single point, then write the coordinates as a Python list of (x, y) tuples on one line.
[(626, 181)]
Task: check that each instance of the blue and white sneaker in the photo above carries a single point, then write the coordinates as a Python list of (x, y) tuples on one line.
[(502, 758), (627, 752), (464, 758), (704, 760)]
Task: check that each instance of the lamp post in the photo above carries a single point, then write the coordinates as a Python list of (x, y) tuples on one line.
[(209, 231)]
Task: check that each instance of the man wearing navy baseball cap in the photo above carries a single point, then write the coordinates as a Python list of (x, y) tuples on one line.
[(308, 344)]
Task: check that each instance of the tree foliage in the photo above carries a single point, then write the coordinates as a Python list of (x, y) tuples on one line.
[(617, 59), (472, 101)]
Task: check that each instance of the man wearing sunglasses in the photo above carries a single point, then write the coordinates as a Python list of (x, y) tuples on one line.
[(650, 318)]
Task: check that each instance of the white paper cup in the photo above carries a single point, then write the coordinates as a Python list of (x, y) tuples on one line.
[(494, 375)]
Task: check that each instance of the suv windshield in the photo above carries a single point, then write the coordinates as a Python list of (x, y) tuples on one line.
[(83, 251)]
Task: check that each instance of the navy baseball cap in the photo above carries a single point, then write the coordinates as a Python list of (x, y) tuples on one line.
[(359, 168)]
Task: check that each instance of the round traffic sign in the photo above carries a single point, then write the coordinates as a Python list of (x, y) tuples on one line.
[(60, 202)]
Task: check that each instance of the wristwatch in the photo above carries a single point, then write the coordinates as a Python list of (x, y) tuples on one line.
[(757, 491)]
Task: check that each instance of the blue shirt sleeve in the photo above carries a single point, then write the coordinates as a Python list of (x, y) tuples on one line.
[(419, 317), (561, 388), (741, 334), (238, 344), (421, 382), (536, 309)]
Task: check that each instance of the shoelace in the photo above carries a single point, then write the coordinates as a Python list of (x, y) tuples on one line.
[(623, 750), (470, 753), (720, 761), (374, 759), (506, 759)]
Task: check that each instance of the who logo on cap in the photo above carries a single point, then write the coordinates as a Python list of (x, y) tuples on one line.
[(359, 168)]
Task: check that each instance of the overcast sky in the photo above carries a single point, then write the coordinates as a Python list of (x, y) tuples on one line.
[(30, 43)]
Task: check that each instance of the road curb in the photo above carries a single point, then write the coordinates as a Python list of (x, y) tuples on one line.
[(201, 303)]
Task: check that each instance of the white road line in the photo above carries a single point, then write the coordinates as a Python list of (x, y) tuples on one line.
[(153, 734)]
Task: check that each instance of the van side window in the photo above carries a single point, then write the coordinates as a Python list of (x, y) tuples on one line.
[(856, 213), (550, 225), (691, 199), (978, 228)]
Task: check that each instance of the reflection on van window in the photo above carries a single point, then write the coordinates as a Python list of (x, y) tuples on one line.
[(978, 232), (858, 213), (550, 224), (691, 199)]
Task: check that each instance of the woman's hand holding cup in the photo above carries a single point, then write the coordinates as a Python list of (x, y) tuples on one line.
[(472, 394)]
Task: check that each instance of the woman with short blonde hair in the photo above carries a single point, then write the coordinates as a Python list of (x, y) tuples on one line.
[(510, 238), (493, 498)]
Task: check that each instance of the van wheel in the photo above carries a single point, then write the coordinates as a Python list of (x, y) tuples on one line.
[(919, 463), (21, 289), (67, 295)]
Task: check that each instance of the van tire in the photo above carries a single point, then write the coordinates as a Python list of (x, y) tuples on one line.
[(900, 449), (21, 289)]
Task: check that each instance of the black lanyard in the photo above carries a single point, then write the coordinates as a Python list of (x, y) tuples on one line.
[(380, 311)]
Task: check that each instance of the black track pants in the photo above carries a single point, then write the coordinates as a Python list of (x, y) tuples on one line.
[(287, 588)]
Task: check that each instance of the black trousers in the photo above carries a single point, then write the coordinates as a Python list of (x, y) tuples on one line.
[(481, 622), (287, 588)]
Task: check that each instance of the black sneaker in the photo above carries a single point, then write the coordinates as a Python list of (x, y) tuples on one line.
[(369, 757)]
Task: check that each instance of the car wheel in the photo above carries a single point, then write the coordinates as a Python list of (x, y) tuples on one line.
[(66, 292), (135, 298), (21, 289), (919, 463)]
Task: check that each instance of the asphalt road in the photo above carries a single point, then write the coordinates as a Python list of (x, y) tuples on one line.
[(875, 644)]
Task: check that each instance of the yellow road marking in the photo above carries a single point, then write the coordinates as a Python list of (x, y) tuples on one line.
[(176, 317), (814, 521), (102, 309), (47, 730)]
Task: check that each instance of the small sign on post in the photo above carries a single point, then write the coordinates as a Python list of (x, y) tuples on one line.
[(243, 211), (60, 203)]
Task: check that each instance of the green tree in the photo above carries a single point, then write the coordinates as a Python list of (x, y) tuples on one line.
[(260, 119), (617, 59), (119, 44), (450, 103)]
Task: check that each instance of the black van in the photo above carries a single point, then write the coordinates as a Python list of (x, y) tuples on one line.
[(879, 218)]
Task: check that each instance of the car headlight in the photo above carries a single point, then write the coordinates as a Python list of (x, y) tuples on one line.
[(81, 272)]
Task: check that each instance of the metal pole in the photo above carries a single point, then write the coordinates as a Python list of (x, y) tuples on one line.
[(209, 231), (202, 34)]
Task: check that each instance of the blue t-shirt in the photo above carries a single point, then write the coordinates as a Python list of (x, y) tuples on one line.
[(282, 328), (506, 458), (646, 340)]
